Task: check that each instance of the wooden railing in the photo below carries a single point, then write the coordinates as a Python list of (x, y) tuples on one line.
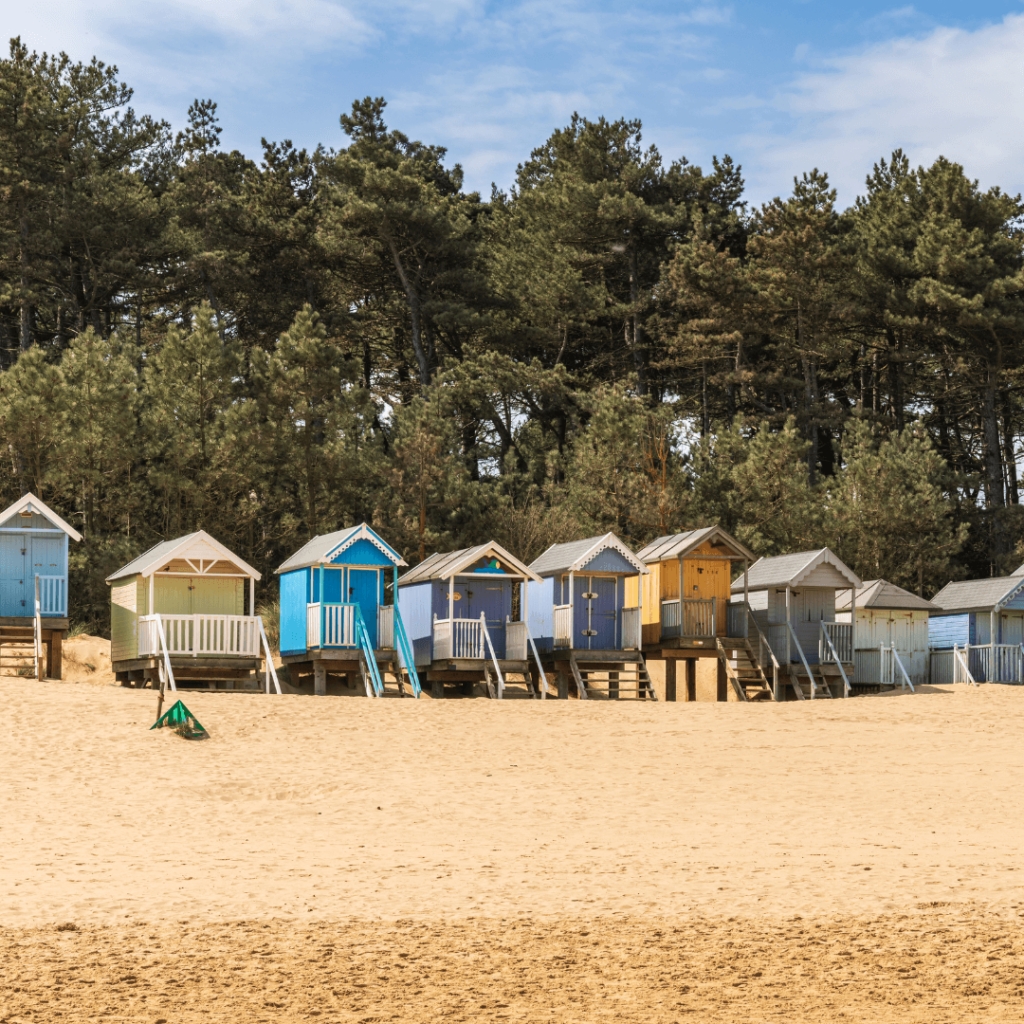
[(53, 595), (777, 640), (563, 625), (459, 638), (841, 647), (195, 635), (631, 629), (698, 617), (892, 671), (386, 627), (515, 641)]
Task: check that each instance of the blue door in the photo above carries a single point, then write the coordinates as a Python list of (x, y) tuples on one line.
[(603, 617), (362, 590), (594, 613), (494, 599), (13, 589)]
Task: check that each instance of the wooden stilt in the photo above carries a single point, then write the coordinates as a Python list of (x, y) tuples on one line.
[(319, 679)]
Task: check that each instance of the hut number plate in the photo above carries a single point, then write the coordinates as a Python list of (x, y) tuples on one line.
[(590, 596)]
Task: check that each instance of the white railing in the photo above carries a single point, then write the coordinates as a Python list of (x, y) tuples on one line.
[(826, 646), (891, 670), (37, 633), (339, 625), (194, 635), (841, 648), (458, 638), (999, 663), (53, 595), (563, 625), (961, 670), (386, 627), (759, 645), (698, 617), (515, 641), (312, 626), (631, 629)]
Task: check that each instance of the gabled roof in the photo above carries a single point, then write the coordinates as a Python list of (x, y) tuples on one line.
[(322, 550), (792, 570), (978, 595), (1019, 571), (441, 565), (574, 555), (883, 594), (28, 502), (159, 554), (679, 545)]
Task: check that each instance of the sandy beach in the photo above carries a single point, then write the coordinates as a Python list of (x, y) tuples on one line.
[(473, 860)]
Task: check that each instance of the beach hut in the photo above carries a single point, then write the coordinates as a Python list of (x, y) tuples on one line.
[(465, 612), (976, 634), (34, 584), (892, 634), (335, 619), (587, 629), (686, 611), (791, 614), (182, 613)]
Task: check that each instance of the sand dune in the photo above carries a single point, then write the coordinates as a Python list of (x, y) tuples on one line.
[(324, 822)]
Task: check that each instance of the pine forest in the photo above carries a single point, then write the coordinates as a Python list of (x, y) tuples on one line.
[(272, 345)]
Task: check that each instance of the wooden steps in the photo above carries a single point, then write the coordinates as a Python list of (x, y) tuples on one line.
[(511, 688), (629, 680), (745, 674), (808, 689), (17, 643)]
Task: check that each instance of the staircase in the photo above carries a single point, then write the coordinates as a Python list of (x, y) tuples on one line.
[(18, 643), (808, 689), (629, 680), (509, 688), (745, 674)]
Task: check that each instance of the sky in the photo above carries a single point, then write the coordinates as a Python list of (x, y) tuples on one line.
[(782, 87)]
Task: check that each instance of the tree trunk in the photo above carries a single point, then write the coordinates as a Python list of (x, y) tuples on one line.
[(1009, 453), (633, 325), (26, 306), (415, 316), (994, 497)]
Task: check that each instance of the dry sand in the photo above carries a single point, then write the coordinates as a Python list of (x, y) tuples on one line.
[(349, 860)]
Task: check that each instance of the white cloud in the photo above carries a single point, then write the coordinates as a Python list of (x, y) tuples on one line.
[(951, 92)]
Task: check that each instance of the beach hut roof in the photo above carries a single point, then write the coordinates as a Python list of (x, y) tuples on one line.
[(978, 595), (883, 594), (194, 548), (679, 545), (441, 565), (29, 503), (792, 570), (324, 549), (576, 554)]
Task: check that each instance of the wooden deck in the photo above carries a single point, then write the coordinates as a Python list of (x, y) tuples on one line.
[(140, 672)]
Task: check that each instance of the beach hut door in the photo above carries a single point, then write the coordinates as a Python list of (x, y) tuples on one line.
[(13, 589), (362, 587), (594, 612)]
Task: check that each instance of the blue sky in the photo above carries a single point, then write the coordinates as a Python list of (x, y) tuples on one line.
[(782, 87)]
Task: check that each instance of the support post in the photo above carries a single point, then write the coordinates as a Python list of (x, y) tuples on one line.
[(746, 597), (252, 596), (319, 678), (151, 610), (789, 625), (451, 612)]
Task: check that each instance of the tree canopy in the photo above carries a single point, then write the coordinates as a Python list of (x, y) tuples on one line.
[(272, 346)]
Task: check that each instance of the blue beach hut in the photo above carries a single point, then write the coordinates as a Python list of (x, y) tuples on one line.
[(34, 582), (583, 626), (334, 616), (465, 612)]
